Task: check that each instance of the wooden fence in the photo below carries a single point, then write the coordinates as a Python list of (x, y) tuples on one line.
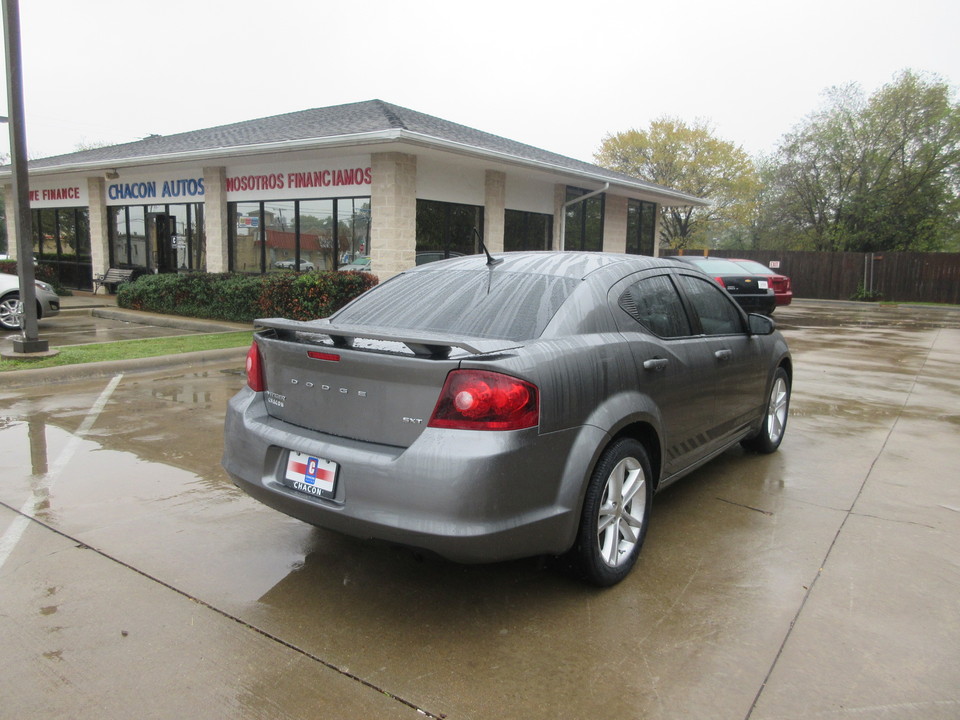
[(899, 277)]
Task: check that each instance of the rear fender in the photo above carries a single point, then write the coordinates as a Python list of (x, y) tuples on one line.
[(608, 420)]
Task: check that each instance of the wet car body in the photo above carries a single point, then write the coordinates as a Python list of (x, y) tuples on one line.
[(752, 291), (580, 364), (48, 302), (781, 284)]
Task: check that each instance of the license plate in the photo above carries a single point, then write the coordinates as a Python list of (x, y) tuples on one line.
[(311, 475)]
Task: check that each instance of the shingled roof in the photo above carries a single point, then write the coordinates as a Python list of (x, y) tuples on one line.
[(371, 117)]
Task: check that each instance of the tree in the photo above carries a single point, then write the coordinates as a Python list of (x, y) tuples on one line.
[(692, 160), (869, 174), (85, 144)]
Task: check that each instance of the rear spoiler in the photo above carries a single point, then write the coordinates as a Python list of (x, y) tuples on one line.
[(424, 344)]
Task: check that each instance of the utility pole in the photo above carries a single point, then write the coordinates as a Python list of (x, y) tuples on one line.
[(30, 341)]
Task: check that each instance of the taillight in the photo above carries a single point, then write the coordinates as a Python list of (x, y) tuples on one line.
[(484, 400), (255, 370)]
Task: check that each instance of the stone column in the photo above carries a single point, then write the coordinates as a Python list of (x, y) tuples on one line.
[(615, 224), (393, 210), (99, 225), (9, 205), (559, 226), (493, 210), (656, 231), (215, 219)]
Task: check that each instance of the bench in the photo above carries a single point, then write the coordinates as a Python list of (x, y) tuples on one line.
[(113, 277)]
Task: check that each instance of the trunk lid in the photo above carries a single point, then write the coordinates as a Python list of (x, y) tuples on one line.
[(361, 385), (743, 284)]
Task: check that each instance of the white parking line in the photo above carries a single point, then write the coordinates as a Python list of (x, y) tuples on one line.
[(20, 523)]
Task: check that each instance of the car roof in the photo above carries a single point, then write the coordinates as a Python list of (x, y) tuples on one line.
[(557, 263)]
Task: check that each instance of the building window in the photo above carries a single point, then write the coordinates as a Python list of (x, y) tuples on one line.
[(315, 228), (278, 235), (527, 231), (246, 236), (641, 227), (62, 238), (353, 229), (188, 235), (162, 238), (447, 230), (584, 221)]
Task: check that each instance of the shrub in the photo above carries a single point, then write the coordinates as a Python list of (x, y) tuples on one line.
[(243, 298), (866, 295)]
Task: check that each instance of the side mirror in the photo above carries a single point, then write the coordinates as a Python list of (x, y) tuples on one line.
[(761, 324)]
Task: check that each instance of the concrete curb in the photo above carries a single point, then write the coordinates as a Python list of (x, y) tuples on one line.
[(84, 371), (87, 371), (170, 321)]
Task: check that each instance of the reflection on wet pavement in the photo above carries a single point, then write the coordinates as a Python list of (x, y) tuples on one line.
[(75, 327)]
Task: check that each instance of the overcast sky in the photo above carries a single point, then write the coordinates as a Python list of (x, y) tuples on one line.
[(558, 75)]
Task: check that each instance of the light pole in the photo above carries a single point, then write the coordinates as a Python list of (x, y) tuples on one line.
[(30, 341)]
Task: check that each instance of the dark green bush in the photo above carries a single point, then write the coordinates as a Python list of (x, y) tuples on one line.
[(243, 298)]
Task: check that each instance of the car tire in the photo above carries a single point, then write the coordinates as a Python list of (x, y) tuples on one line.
[(616, 511), (11, 312), (775, 416)]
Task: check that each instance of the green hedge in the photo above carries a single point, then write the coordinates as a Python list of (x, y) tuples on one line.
[(243, 298)]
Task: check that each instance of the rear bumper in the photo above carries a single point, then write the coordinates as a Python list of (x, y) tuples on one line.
[(764, 304), (470, 496), (784, 298)]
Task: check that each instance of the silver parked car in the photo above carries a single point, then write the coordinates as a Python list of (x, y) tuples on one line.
[(11, 309), (526, 405), (305, 265)]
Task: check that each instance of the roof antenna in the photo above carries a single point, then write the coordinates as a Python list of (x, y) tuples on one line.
[(490, 259)]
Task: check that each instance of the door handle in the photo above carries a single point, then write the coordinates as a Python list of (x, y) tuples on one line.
[(723, 355), (655, 364)]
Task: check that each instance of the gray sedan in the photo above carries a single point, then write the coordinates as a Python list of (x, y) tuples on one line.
[(11, 309), (492, 409)]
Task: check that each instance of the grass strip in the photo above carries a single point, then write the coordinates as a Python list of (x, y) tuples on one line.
[(131, 349)]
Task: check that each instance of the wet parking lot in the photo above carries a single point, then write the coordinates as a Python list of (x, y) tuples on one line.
[(818, 582)]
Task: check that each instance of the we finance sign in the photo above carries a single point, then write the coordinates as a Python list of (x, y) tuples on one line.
[(59, 195)]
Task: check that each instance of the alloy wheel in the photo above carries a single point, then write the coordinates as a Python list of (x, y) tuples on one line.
[(622, 512)]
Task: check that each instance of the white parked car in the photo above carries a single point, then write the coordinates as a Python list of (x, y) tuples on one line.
[(11, 309), (305, 265)]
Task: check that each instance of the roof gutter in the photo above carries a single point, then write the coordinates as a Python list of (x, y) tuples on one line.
[(664, 195), (370, 138)]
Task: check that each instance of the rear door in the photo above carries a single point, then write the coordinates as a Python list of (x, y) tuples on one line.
[(671, 360)]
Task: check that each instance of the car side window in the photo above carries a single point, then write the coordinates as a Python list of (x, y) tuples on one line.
[(718, 314), (655, 303)]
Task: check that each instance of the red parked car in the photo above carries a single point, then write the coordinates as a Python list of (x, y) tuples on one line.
[(782, 287)]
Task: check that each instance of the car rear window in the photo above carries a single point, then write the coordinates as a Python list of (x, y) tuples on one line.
[(721, 267), (754, 267), (485, 304)]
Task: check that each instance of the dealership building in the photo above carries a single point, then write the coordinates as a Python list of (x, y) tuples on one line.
[(324, 188)]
